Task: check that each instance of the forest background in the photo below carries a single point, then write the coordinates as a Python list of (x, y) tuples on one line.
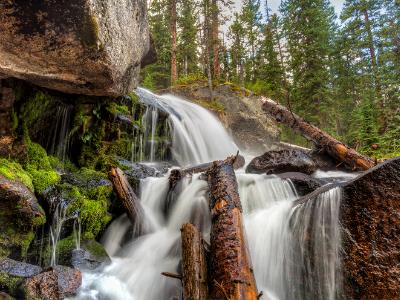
[(339, 70)]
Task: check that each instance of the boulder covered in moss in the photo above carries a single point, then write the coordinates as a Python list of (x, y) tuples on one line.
[(20, 215), (82, 47)]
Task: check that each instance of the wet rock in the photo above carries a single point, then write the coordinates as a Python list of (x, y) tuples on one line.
[(137, 171), (83, 47), (12, 274), (20, 215), (282, 161), (17, 268), (370, 220), (55, 283), (303, 183), (90, 255), (239, 111)]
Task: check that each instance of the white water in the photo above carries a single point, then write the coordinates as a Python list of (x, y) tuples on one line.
[(278, 232)]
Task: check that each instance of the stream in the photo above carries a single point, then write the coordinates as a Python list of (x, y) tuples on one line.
[(295, 249)]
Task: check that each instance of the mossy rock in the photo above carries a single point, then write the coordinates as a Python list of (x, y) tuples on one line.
[(20, 215), (90, 255), (10, 284)]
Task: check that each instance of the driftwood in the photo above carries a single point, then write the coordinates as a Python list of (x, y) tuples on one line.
[(194, 264), (334, 148), (178, 174), (231, 274), (129, 199)]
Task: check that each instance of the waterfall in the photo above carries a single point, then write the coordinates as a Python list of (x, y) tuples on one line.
[(197, 136), (59, 218), (294, 248), (58, 139)]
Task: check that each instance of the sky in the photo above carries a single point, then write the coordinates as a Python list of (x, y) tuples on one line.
[(274, 4)]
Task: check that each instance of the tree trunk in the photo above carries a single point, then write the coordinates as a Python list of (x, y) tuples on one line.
[(337, 150), (194, 264), (129, 199), (374, 63), (174, 74), (207, 46), (215, 40), (178, 174), (231, 274)]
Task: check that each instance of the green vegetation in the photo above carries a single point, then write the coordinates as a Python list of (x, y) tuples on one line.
[(13, 170), (340, 73), (39, 167)]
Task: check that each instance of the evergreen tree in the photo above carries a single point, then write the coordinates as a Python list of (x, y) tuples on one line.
[(309, 26), (187, 37), (158, 74)]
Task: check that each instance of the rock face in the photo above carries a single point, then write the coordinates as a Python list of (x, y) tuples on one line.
[(370, 220), (20, 214), (78, 46), (282, 161), (239, 111), (56, 283)]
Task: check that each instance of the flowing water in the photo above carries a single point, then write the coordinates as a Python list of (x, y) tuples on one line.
[(58, 141), (294, 248)]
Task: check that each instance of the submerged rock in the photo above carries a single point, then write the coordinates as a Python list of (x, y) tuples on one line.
[(83, 47), (370, 225), (303, 183), (20, 215), (58, 282), (282, 161)]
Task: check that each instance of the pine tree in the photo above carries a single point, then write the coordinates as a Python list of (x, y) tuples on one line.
[(309, 25), (173, 20), (251, 20), (237, 50), (187, 37), (158, 74), (361, 19)]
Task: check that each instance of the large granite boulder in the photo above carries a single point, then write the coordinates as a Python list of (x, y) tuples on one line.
[(282, 161), (75, 46), (369, 216), (20, 215)]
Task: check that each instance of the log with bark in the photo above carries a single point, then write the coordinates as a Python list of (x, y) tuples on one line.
[(230, 275), (194, 264), (337, 150), (129, 199), (178, 174)]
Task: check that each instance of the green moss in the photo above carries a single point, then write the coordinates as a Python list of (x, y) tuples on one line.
[(39, 166), (92, 203), (34, 108), (115, 109), (14, 171), (9, 283), (134, 98)]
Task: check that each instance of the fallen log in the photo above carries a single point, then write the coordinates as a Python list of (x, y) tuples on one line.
[(178, 174), (129, 199), (337, 150), (231, 274), (194, 264)]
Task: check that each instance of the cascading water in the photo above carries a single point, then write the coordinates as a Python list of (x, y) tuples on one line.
[(58, 141), (294, 248)]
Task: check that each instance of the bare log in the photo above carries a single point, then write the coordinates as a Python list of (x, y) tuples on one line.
[(231, 274), (194, 264), (178, 174), (129, 199), (337, 150)]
